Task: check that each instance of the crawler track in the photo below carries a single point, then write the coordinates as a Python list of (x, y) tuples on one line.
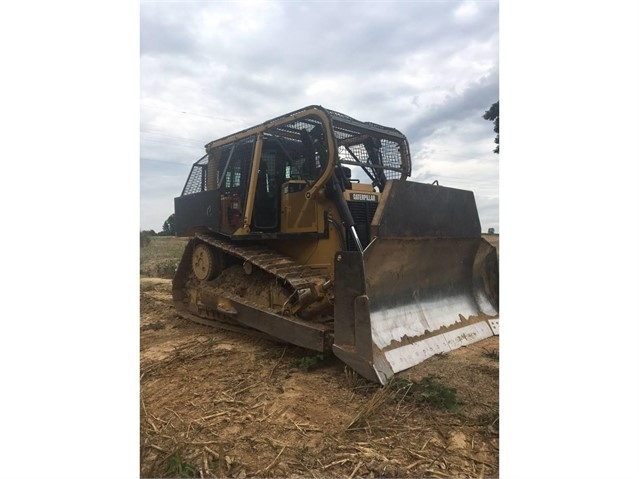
[(297, 276), (294, 305)]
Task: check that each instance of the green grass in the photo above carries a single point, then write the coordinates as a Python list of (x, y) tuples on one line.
[(308, 363), (161, 256), (428, 390), (179, 467), (163, 247)]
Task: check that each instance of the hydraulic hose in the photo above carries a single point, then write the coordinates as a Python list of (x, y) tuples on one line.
[(335, 192)]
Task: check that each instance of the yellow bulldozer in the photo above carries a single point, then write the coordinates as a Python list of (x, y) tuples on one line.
[(305, 228)]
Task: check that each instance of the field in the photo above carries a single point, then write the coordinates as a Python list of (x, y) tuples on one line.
[(215, 403)]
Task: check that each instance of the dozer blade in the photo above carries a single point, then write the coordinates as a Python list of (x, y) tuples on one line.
[(427, 284)]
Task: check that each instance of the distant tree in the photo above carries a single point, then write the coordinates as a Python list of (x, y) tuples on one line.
[(168, 229), (492, 114), (145, 237), (491, 231)]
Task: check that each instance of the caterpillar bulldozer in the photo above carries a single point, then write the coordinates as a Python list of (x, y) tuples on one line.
[(306, 229)]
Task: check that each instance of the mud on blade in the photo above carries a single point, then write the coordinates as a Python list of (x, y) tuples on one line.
[(428, 283)]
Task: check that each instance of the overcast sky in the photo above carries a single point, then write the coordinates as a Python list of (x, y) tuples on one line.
[(429, 69)]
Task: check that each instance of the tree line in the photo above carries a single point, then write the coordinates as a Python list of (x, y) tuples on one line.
[(168, 229), (492, 114)]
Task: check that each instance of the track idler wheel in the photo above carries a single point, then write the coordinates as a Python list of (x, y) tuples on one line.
[(206, 262)]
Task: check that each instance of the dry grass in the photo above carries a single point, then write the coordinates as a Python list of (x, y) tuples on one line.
[(379, 398), (215, 403), (229, 407), (162, 255)]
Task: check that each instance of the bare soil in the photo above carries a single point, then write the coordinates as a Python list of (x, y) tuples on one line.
[(215, 403)]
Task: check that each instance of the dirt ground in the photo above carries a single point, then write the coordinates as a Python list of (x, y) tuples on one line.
[(215, 403)]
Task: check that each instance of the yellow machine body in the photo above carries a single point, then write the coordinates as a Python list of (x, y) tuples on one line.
[(287, 240)]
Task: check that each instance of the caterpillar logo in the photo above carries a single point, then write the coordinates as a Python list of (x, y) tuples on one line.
[(363, 197)]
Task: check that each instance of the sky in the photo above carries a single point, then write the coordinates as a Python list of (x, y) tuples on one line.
[(429, 69)]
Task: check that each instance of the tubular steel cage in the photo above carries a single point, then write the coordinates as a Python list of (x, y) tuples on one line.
[(371, 146), (381, 152), (296, 141)]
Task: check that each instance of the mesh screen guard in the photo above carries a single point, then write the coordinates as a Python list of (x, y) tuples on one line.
[(381, 152)]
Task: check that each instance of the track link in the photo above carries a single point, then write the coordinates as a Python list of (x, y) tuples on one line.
[(304, 298), (285, 268)]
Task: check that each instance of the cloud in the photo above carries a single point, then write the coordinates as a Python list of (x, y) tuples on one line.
[(429, 69), (470, 103)]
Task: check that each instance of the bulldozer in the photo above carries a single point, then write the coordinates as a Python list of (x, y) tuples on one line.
[(305, 228)]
